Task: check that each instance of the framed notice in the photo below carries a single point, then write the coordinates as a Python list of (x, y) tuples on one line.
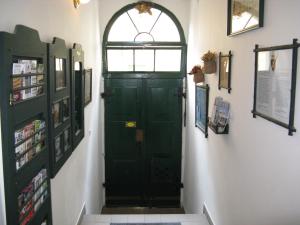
[(275, 84), (201, 108), (225, 71), (244, 15)]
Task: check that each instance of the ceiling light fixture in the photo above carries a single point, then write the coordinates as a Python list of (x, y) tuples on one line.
[(78, 2)]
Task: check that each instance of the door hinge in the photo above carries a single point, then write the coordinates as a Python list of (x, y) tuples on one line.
[(181, 185), (180, 93), (104, 185), (106, 94)]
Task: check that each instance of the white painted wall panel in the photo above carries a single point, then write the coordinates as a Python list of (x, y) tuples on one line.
[(250, 176)]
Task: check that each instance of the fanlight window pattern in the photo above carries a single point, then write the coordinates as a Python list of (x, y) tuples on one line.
[(147, 41)]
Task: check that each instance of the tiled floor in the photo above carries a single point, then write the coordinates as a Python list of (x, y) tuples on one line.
[(184, 219)]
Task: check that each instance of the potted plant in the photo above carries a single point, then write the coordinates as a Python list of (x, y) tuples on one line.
[(210, 64), (198, 74)]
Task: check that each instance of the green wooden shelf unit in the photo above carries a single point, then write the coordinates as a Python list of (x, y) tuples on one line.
[(24, 119), (59, 89), (77, 101)]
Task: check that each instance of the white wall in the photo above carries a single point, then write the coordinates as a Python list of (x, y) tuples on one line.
[(79, 181), (250, 176)]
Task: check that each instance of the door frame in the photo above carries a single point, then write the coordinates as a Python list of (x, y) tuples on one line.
[(182, 45)]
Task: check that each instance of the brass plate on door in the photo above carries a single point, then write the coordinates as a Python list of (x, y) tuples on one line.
[(139, 136), (130, 124)]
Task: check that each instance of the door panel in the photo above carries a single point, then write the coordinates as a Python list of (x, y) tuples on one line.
[(146, 172), (163, 140), (122, 158)]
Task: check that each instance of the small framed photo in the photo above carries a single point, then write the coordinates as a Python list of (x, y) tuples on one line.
[(66, 109), (56, 114), (60, 74), (67, 139), (244, 15), (88, 77), (58, 149), (201, 108), (225, 71)]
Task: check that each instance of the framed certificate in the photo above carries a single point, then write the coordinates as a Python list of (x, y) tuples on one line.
[(275, 84), (201, 108)]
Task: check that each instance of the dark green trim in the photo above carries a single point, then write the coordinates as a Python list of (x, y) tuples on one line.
[(144, 44), (77, 55), (144, 75), (58, 49)]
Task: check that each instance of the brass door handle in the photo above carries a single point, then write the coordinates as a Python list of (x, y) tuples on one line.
[(139, 135)]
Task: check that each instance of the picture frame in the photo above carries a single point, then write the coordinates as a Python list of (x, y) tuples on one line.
[(56, 114), (88, 77), (201, 108), (60, 74), (225, 71), (275, 84), (66, 109), (58, 147), (244, 15)]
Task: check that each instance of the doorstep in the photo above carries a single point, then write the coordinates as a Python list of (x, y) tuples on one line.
[(184, 219)]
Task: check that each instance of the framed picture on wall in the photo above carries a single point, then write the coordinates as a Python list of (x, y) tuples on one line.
[(275, 84), (244, 15), (88, 73), (225, 71), (201, 108)]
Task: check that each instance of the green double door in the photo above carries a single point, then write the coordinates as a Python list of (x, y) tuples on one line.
[(143, 125)]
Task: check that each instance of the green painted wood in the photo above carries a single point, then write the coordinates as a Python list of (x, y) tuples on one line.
[(24, 43), (77, 97), (147, 173), (123, 154), (163, 121), (59, 50)]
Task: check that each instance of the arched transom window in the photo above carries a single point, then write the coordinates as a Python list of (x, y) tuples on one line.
[(144, 37)]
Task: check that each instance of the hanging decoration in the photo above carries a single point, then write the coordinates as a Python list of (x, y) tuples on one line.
[(209, 60), (198, 74), (144, 7)]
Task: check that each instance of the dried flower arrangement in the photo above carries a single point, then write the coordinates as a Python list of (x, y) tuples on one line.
[(210, 65), (209, 56)]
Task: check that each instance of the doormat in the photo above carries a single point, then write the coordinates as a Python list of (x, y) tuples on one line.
[(145, 224)]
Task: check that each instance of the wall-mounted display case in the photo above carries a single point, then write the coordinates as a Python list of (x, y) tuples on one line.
[(24, 119), (77, 100), (59, 104)]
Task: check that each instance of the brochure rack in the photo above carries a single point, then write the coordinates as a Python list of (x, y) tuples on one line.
[(59, 90), (24, 119), (77, 83)]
